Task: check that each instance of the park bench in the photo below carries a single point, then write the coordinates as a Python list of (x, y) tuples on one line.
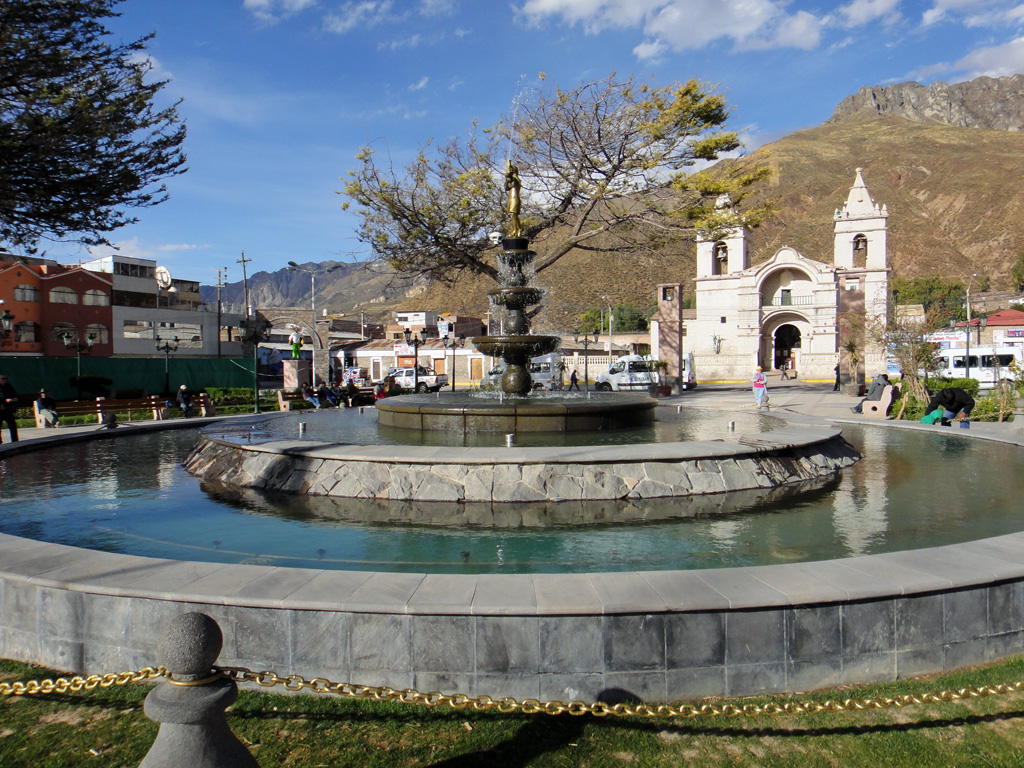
[(69, 408), (122, 405), (878, 409), (285, 399), (201, 402)]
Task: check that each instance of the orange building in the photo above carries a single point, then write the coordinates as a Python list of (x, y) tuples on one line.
[(54, 306)]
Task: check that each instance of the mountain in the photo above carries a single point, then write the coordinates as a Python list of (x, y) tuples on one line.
[(993, 103), (946, 160)]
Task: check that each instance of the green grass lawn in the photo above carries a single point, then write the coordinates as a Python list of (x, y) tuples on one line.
[(107, 727)]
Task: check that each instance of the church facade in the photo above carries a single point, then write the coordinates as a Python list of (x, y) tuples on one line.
[(790, 311)]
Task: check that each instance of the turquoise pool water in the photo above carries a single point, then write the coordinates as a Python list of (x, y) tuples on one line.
[(131, 495)]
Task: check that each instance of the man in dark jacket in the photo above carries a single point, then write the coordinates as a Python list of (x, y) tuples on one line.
[(954, 402), (8, 405)]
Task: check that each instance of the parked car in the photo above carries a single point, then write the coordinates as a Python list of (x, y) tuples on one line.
[(423, 380)]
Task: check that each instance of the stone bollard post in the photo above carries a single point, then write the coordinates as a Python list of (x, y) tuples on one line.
[(194, 730)]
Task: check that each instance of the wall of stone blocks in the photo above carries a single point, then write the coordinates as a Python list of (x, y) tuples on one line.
[(652, 656)]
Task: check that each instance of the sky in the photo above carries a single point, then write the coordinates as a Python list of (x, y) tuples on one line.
[(280, 95)]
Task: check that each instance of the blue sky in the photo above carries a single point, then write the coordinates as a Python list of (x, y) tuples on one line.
[(279, 95)]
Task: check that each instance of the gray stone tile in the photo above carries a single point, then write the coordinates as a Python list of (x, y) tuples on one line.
[(695, 683), (743, 589), (570, 687), (21, 607), (813, 634), (694, 640), (869, 667), (635, 686), (622, 592), (256, 634), (634, 642), (444, 682), (446, 593), (324, 590), (753, 679), (869, 628), (172, 580), (503, 595), (319, 639), (966, 653), (504, 646), (919, 622), (818, 673), (755, 637), (685, 590), (919, 661), (893, 569), (444, 644), (571, 644), (226, 582), (569, 593), (1006, 607), (519, 686), (965, 614), (384, 592), (806, 582), (1007, 644), (61, 614), (380, 641)]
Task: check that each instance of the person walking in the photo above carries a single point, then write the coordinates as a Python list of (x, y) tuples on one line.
[(836, 387), (8, 405), (760, 386), (574, 382)]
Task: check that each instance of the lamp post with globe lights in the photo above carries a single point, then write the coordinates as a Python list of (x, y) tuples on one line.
[(586, 339)]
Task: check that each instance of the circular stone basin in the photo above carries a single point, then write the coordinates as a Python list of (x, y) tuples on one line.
[(467, 413)]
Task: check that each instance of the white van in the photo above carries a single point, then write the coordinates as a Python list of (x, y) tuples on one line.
[(631, 372), (546, 371), (989, 365), (688, 374)]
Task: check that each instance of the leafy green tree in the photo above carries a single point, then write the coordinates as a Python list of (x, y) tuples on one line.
[(1017, 273), (603, 167), (81, 139)]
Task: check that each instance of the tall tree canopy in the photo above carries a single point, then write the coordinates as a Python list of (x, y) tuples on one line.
[(603, 166), (81, 139)]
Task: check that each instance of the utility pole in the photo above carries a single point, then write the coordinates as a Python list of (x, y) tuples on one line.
[(222, 274), (245, 283)]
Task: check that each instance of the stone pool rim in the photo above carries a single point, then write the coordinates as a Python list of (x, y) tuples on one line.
[(658, 635)]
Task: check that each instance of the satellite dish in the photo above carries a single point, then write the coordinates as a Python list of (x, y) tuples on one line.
[(163, 277)]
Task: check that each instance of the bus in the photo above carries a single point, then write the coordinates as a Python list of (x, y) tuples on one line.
[(989, 365)]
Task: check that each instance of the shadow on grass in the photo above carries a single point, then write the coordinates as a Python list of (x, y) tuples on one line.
[(533, 739)]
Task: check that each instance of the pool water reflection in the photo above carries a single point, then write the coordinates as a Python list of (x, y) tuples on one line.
[(130, 495)]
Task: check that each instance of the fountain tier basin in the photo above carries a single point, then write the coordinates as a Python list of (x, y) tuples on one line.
[(468, 413)]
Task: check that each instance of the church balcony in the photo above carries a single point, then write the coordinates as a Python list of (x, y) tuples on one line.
[(787, 301)]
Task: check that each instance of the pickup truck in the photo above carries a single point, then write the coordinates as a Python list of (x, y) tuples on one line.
[(425, 379)]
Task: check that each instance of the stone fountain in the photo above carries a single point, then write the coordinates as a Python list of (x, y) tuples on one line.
[(516, 410)]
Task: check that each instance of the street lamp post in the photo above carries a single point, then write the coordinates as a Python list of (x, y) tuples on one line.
[(79, 347), (454, 344), (586, 357), (294, 267), (255, 330), (967, 294), (167, 347), (415, 341), (6, 324)]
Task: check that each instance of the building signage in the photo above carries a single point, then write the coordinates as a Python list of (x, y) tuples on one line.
[(404, 350)]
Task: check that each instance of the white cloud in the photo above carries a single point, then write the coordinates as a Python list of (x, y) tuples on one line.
[(688, 24), (412, 41), (272, 10), (181, 247), (419, 86), (943, 9), (861, 12), (993, 61), (367, 13), (437, 7), (135, 248)]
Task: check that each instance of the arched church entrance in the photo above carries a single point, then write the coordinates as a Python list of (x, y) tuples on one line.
[(786, 347)]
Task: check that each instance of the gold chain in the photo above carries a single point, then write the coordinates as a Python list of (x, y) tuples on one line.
[(78, 683), (508, 705)]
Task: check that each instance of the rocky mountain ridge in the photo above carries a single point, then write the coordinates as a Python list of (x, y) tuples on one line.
[(995, 104)]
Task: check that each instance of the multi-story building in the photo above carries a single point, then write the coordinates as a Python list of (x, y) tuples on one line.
[(150, 308), (56, 308)]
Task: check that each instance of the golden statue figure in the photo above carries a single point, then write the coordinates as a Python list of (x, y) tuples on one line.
[(513, 185)]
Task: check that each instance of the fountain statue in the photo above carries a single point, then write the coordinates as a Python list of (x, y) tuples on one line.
[(516, 345)]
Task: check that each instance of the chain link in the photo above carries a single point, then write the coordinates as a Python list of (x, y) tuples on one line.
[(508, 705), (78, 683)]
